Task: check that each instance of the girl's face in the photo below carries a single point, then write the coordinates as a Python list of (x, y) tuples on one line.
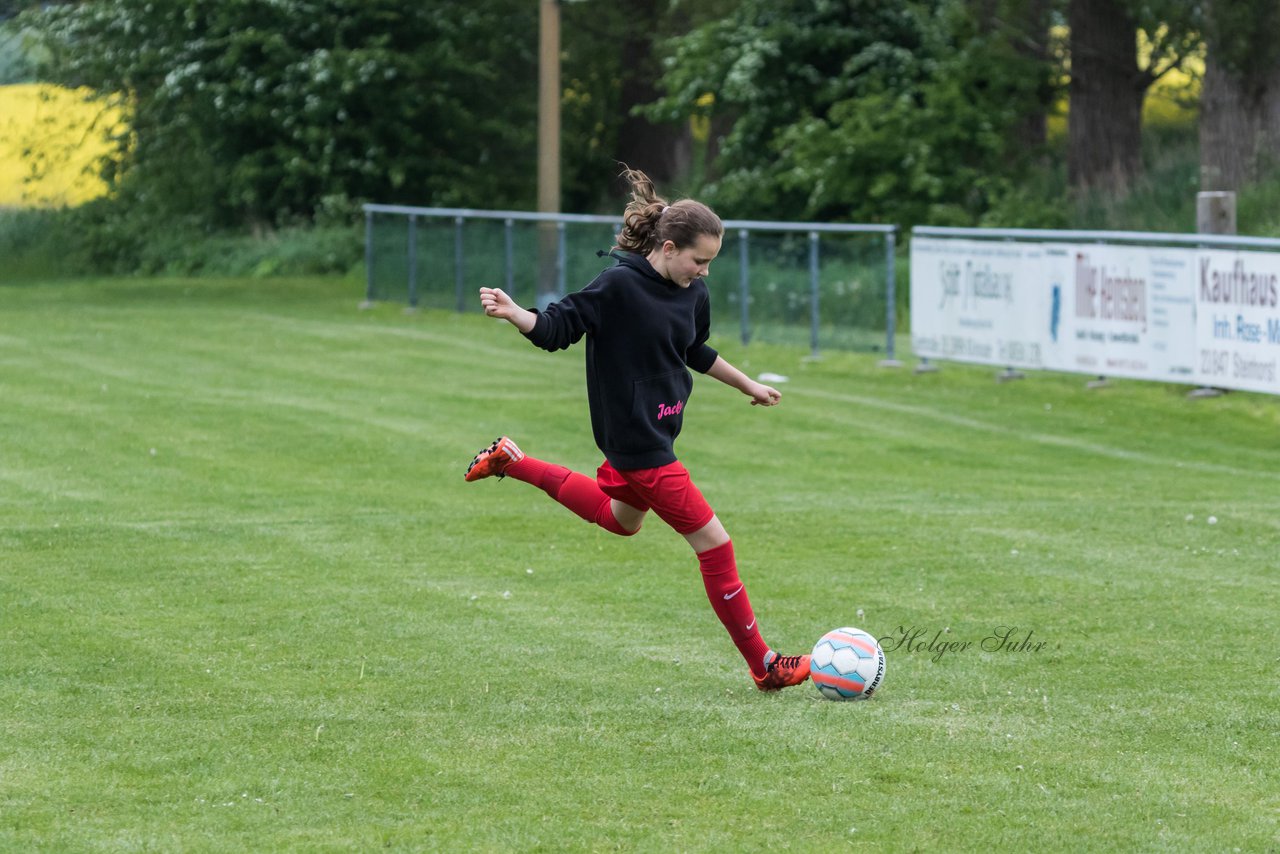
[(682, 266)]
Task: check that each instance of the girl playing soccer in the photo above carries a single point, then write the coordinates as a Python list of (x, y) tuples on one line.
[(646, 320)]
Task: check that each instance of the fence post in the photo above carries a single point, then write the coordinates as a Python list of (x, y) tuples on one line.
[(1215, 214), (508, 249), (457, 265), (413, 261), (891, 300), (368, 260), (560, 259), (813, 293), (744, 284)]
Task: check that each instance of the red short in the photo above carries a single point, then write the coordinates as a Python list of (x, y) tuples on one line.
[(667, 490)]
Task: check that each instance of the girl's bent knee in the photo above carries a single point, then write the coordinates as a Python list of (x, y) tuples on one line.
[(613, 526)]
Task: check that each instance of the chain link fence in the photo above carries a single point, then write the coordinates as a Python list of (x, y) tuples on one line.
[(825, 285)]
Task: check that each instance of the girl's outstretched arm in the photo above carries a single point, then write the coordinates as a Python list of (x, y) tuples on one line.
[(760, 394), (497, 304)]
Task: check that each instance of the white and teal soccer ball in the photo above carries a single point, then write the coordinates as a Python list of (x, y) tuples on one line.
[(847, 664)]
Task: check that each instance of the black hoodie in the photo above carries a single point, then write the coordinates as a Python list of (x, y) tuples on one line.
[(643, 332)]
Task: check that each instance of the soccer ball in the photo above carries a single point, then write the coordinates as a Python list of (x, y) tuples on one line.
[(847, 664)]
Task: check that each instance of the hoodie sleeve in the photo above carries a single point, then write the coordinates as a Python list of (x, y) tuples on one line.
[(700, 356), (563, 323)]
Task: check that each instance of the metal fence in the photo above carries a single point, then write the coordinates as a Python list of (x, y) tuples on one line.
[(1143, 238), (825, 284)]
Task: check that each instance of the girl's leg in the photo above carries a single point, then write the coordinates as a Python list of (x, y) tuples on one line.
[(671, 494), (578, 492), (575, 491), (729, 600), (628, 517), (727, 593)]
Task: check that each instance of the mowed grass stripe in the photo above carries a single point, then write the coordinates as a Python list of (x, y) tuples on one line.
[(1014, 431), (295, 627), (202, 353)]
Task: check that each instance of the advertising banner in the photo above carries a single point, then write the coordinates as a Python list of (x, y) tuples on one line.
[(1127, 312), (1237, 297), (979, 301), (1170, 314)]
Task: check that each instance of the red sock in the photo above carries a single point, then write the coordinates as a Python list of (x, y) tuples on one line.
[(578, 492), (729, 599)]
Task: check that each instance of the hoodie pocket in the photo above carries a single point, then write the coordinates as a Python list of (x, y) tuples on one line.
[(659, 402)]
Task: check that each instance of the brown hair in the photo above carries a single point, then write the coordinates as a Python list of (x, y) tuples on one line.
[(649, 221)]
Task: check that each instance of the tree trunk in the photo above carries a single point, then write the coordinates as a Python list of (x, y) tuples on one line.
[(1229, 128), (1032, 131), (1104, 126), (660, 151), (1239, 123)]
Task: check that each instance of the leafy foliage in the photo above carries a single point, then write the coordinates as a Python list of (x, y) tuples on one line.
[(611, 64), (853, 109), (39, 243), (250, 112), (263, 115), (1243, 33)]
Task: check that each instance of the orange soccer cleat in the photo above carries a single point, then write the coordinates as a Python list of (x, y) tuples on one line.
[(783, 671), (493, 460)]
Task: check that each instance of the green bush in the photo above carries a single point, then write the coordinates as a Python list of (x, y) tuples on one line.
[(289, 252), (1162, 200), (1258, 207), (38, 244), (102, 238)]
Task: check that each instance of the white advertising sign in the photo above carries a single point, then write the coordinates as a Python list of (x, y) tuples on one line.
[(1171, 314), (1127, 312), (1237, 297), (979, 301)]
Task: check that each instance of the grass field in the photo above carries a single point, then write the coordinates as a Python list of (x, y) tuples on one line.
[(248, 602)]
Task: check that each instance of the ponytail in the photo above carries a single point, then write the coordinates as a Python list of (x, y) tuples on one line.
[(649, 221)]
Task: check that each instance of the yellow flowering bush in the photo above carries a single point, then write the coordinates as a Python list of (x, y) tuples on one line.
[(51, 139)]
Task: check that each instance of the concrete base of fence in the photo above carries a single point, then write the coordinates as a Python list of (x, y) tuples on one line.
[(1197, 394)]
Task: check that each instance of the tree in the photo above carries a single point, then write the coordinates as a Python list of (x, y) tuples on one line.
[(1023, 28), (1109, 82), (610, 65), (1104, 130), (1240, 99), (249, 112), (857, 109), (613, 62)]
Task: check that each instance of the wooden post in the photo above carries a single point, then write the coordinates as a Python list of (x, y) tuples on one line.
[(1216, 212), (548, 147)]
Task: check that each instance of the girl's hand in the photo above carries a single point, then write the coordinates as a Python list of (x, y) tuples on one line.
[(763, 395), (760, 394), (496, 303)]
